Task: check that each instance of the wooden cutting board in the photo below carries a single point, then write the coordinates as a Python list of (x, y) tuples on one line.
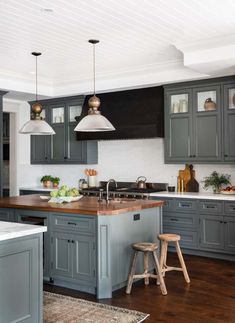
[(184, 175), (192, 185)]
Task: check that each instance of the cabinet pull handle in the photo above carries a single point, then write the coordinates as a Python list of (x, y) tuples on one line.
[(221, 222), (72, 223), (225, 222), (233, 208), (174, 219), (210, 207), (73, 241), (69, 241), (225, 155), (65, 157), (185, 205)]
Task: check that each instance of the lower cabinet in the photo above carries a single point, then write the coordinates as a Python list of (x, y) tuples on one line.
[(212, 232), (205, 226), (73, 256), (73, 251)]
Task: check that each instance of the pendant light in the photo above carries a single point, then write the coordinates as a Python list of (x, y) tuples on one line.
[(94, 121), (37, 126)]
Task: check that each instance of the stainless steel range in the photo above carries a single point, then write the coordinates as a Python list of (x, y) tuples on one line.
[(125, 189)]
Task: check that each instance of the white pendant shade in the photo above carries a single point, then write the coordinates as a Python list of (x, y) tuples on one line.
[(94, 122), (37, 127)]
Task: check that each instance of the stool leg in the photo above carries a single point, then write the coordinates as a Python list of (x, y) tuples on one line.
[(163, 256), (131, 273), (159, 274), (146, 267), (182, 263)]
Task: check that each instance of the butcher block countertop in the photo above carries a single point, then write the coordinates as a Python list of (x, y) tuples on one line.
[(86, 205)]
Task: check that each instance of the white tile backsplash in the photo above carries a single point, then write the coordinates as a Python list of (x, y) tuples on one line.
[(123, 160)]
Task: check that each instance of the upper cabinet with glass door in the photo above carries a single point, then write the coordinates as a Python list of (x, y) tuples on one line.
[(231, 98), (179, 103), (229, 122), (58, 114), (74, 112), (206, 101)]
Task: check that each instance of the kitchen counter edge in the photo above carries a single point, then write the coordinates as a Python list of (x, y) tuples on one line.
[(193, 195)]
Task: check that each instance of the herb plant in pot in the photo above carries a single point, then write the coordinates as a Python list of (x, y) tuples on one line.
[(55, 181), (46, 180), (216, 181)]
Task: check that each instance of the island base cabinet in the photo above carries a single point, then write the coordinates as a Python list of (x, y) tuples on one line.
[(73, 259), (21, 280), (61, 262)]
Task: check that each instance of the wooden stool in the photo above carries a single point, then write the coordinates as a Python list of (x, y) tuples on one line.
[(145, 247), (166, 238)]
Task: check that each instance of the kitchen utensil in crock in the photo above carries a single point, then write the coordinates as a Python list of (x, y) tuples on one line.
[(141, 182)]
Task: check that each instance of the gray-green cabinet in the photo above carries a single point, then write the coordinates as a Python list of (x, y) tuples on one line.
[(73, 248), (229, 122), (21, 280), (206, 227), (211, 232), (199, 119), (61, 255), (63, 147)]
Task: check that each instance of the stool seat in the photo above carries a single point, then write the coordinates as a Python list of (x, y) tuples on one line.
[(144, 246), (169, 237)]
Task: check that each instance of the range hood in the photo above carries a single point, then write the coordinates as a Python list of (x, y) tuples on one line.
[(135, 114)]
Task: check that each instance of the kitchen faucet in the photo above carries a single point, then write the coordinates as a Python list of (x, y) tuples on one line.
[(107, 188)]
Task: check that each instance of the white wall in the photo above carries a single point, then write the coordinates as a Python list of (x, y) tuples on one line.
[(123, 160)]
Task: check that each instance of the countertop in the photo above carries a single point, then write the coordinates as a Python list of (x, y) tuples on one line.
[(37, 188), (12, 230), (86, 205), (191, 195)]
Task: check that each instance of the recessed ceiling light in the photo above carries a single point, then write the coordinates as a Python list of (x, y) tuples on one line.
[(47, 10)]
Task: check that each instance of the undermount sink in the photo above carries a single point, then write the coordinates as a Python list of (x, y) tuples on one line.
[(122, 200)]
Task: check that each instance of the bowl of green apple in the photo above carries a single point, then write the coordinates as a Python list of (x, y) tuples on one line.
[(65, 194)]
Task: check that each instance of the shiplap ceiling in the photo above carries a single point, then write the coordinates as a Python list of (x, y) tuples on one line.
[(134, 35)]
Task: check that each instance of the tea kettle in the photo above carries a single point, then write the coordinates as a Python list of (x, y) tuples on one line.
[(141, 182)]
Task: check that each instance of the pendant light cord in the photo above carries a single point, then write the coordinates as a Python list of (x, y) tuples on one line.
[(36, 78), (94, 66)]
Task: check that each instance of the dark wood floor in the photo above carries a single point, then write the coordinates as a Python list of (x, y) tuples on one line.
[(210, 298)]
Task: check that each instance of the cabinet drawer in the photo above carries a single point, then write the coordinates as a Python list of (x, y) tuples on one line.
[(180, 220), (230, 208), (168, 205), (73, 223), (189, 239), (211, 207), (183, 205)]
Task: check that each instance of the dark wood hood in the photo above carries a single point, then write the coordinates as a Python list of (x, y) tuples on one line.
[(134, 113)]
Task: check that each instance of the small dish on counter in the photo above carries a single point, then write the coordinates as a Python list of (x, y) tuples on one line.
[(227, 192), (45, 197)]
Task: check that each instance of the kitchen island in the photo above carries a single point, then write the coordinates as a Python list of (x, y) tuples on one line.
[(88, 243), (21, 278)]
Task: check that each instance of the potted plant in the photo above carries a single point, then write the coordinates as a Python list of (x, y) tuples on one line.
[(46, 180), (55, 181), (216, 181)]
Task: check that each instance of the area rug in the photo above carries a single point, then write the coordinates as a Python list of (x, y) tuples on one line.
[(65, 309)]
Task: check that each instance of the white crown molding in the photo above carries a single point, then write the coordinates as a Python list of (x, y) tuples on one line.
[(206, 43)]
